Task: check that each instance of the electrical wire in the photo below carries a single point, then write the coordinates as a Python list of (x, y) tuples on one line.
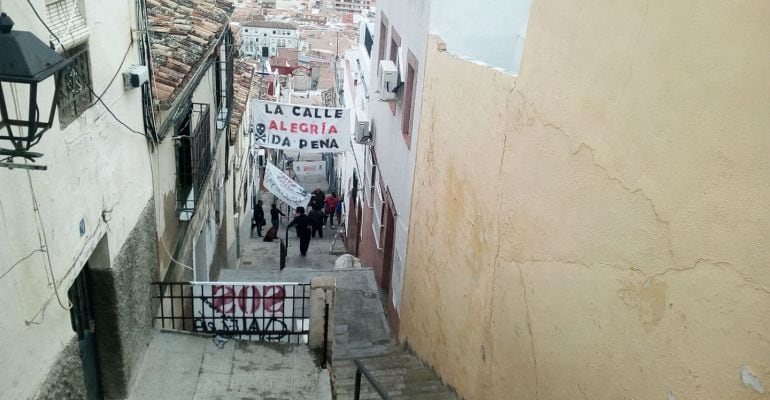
[(8, 271), (98, 97), (153, 171), (41, 231)]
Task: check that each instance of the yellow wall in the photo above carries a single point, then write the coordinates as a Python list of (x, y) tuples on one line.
[(598, 227)]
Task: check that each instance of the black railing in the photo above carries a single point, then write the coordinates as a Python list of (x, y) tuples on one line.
[(361, 369), (265, 312)]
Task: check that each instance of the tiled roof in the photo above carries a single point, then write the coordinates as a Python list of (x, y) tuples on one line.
[(182, 33), (269, 24), (243, 74)]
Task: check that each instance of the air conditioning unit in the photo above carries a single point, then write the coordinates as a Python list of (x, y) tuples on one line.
[(363, 135), (388, 80)]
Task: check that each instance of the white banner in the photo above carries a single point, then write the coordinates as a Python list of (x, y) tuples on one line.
[(255, 311), (301, 128), (310, 168), (284, 187)]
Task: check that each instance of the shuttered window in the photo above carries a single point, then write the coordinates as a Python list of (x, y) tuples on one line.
[(67, 22)]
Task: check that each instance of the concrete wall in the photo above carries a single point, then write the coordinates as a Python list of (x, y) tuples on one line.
[(98, 172), (122, 302), (596, 227)]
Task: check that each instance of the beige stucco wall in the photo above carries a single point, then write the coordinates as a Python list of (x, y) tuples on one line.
[(597, 227)]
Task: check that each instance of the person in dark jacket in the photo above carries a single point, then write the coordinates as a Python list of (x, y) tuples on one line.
[(304, 225), (258, 219), (274, 215), (317, 199), (318, 222)]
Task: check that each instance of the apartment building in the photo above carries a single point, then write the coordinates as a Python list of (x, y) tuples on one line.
[(78, 244), (377, 176), (262, 39)]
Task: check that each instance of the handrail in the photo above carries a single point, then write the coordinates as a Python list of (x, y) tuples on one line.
[(340, 230), (361, 369)]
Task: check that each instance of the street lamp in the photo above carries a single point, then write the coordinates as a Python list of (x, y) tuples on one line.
[(25, 61)]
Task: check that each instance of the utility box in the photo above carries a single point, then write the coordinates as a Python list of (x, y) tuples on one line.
[(136, 76), (363, 133), (388, 80)]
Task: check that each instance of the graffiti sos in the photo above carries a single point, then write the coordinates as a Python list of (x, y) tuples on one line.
[(248, 300)]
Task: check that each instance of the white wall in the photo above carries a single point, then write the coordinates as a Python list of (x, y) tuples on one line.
[(396, 160), (95, 166), (493, 31)]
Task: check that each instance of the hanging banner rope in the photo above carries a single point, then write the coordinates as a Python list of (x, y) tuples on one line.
[(301, 128), (283, 187)]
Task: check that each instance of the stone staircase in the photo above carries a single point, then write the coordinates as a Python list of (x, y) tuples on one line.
[(401, 374)]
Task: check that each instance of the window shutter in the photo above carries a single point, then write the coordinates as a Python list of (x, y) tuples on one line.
[(67, 23)]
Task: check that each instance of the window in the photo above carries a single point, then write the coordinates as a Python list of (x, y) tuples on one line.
[(395, 42), (193, 157), (65, 19), (411, 75), (368, 41), (74, 85)]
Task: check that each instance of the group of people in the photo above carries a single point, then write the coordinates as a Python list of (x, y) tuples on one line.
[(323, 208), (258, 221)]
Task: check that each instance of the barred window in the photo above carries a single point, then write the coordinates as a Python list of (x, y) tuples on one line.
[(74, 85)]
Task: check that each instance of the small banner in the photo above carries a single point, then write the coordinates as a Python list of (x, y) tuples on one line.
[(252, 311), (283, 187), (309, 168), (301, 128)]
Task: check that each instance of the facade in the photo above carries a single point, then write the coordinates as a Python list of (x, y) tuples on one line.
[(78, 244), (240, 184), (149, 183), (379, 212), (262, 39), (193, 86), (593, 227)]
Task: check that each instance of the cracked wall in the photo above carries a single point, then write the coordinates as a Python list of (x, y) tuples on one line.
[(595, 227)]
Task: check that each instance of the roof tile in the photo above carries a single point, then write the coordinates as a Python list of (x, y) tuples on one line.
[(182, 33)]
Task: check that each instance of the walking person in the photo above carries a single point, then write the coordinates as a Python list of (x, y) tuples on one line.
[(317, 200), (318, 222), (274, 215), (330, 206), (258, 219), (304, 224)]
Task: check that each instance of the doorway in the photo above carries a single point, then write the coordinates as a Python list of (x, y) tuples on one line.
[(84, 325), (388, 244)]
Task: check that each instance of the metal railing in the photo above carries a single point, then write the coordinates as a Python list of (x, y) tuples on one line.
[(194, 151), (361, 370), (276, 312)]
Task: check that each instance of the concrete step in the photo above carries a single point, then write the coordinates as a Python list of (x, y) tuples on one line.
[(402, 375), (348, 352)]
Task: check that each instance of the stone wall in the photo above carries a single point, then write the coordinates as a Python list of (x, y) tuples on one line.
[(65, 378)]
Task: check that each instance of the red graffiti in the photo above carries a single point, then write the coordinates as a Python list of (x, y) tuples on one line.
[(248, 300)]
